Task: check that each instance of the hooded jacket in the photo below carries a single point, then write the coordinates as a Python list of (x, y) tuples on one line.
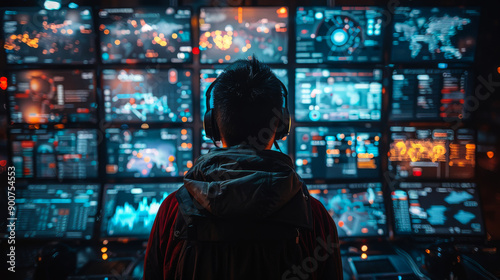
[(242, 214)]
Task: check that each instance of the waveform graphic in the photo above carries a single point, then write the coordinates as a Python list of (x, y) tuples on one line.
[(128, 220), (464, 217)]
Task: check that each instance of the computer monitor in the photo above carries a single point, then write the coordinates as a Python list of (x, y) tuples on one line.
[(331, 95), (439, 34), (61, 154), (336, 153), (166, 152), (37, 36), (207, 144), (207, 76), (339, 34), (437, 209), (52, 96), (429, 94), (56, 211), (149, 95), (231, 33), (145, 35), (442, 153), (129, 210), (357, 209)]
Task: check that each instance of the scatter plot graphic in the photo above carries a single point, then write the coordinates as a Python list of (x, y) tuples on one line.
[(231, 33), (145, 35), (130, 210), (37, 36)]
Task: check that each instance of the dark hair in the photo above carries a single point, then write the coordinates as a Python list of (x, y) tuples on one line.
[(246, 98)]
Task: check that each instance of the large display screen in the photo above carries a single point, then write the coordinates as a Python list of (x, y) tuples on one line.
[(434, 34), (34, 36), (429, 94), (207, 144), (56, 211), (149, 152), (342, 34), (61, 154), (44, 96), (148, 95), (338, 95), (432, 153), (331, 153), (138, 35), (231, 33), (129, 210), (207, 76), (357, 209), (437, 209)]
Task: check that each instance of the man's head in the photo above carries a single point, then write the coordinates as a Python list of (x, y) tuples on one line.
[(248, 101)]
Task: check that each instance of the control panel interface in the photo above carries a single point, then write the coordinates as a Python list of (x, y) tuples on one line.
[(35, 36), (61, 154), (341, 34), (432, 153), (145, 35), (129, 210), (52, 96), (231, 33), (56, 211), (148, 95), (444, 34), (437, 209), (338, 95), (429, 94), (357, 209), (328, 153), (149, 152), (208, 76)]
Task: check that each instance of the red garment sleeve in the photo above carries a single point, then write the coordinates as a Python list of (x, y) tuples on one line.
[(163, 250)]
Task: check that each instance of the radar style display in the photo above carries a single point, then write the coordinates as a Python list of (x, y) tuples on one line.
[(430, 94), (231, 33), (145, 35), (149, 152), (434, 34), (208, 76), (149, 95), (338, 95), (61, 154), (340, 34), (56, 211), (34, 36), (207, 144), (327, 153), (437, 209), (130, 210), (46, 96), (432, 153), (357, 209)]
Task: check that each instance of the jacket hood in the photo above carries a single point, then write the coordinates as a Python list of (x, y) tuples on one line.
[(241, 182)]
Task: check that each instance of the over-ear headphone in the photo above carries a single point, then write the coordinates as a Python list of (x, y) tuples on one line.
[(212, 129)]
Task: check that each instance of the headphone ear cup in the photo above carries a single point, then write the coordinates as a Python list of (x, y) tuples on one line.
[(284, 124), (215, 127), (207, 124)]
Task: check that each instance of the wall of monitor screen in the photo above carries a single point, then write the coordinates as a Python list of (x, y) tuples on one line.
[(106, 106)]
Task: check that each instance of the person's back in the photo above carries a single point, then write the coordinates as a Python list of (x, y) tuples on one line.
[(243, 212)]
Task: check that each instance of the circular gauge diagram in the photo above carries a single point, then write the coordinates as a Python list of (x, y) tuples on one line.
[(341, 34)]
